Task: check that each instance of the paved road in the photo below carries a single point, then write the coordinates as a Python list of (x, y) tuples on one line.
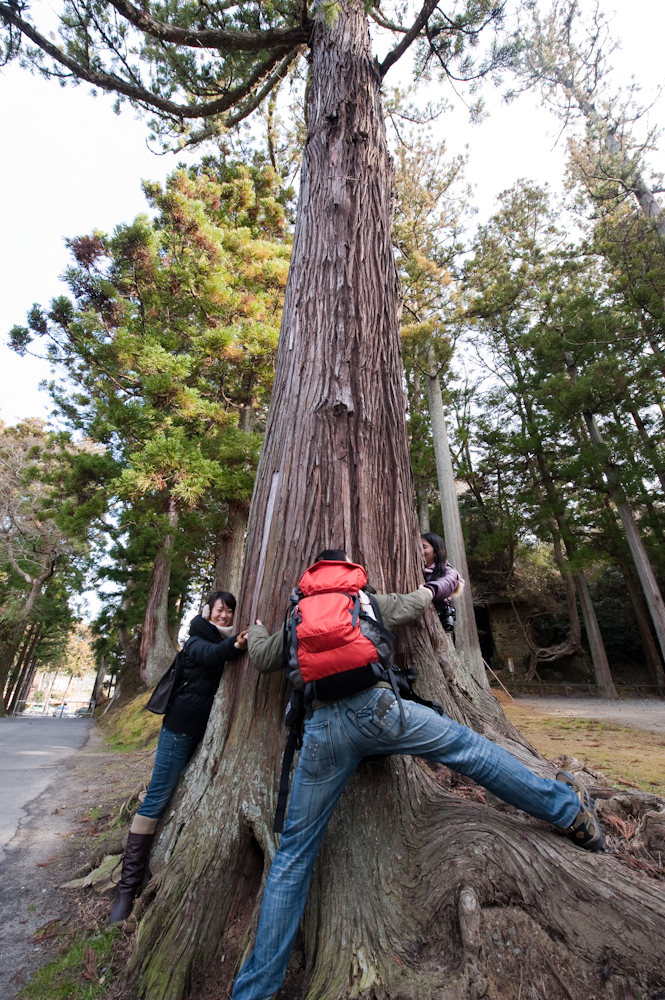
[(638, 713), (30, 751)]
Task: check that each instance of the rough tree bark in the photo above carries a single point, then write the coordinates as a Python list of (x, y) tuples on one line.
[(412, 880), (157, 649), (466, 633)]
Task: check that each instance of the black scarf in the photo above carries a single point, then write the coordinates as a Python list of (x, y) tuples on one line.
[(205, 629)]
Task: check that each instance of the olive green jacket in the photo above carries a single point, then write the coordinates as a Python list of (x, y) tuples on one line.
[(265, 651)]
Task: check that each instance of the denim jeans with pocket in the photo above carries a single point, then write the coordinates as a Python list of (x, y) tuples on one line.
[(174, 752), (336, 739)]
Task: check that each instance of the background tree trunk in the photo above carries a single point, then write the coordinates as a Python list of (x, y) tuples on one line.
[(8, 651), (653, 661), (27, 669), (423, 509), (649, 446), (604, 682), (230, 548), (466, 633), (19, 659), (98, 693), (650, 587), (157, 648), (601, 667), (50, 691), (412, 880)]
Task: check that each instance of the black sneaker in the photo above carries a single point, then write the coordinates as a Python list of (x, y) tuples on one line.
[(585, 830)]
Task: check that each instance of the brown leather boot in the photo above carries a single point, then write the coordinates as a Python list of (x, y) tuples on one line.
[(134, 865)]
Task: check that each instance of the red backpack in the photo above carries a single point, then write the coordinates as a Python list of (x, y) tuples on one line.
[(334, 640), (335, 645)]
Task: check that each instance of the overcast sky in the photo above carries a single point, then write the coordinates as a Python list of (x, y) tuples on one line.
[(71, 165)]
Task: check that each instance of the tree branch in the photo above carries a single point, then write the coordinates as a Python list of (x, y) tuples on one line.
[(384, 23), (427, 10), (251, 104), (214, 38), (115, 84), (15, 566)]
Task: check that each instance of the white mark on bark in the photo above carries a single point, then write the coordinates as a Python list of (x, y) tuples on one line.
[(346, 498), (469, 919), (264, 545), (293, 330)]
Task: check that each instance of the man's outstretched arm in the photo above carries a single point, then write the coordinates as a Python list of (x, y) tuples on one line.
[(265, 650), (400, 609)]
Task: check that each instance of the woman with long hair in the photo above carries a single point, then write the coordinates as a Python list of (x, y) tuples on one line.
[(210, 644), (442, 579)]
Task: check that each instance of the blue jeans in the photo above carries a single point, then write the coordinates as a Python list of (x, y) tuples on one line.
[(174, 752), (336, 739)]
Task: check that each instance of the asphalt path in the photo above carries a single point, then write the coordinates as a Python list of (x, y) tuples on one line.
[(31, 750)]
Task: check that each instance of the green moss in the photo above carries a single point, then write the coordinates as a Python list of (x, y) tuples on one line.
[(63, 979), (131, 728)]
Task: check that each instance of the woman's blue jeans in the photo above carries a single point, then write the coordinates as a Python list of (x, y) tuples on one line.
[(174, 752), (336, 739)]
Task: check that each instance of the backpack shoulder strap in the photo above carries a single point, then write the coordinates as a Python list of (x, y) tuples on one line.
[(375, 607), (296, 716), (296, 594)]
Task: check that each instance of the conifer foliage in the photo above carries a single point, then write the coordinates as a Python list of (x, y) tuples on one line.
[(169, 339)]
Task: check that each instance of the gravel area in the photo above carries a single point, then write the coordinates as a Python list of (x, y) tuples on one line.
[(637, 713)]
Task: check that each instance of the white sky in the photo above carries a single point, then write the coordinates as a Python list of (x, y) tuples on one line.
[(70, 165)]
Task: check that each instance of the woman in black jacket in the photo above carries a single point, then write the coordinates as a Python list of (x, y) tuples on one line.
[(210, 644)]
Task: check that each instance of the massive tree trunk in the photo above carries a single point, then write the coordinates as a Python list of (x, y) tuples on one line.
[(466, 633), (157, 648), (413, 880)]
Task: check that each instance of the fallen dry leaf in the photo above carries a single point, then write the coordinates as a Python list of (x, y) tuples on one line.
[(90, 965)]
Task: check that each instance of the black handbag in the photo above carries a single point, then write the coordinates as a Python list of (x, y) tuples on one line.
[(165, 688)]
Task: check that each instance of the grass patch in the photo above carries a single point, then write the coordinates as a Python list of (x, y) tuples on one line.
[(618, 751), (65, 979), (131, 728)]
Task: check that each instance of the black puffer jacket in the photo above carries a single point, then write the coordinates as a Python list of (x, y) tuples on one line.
[(206, 652)]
